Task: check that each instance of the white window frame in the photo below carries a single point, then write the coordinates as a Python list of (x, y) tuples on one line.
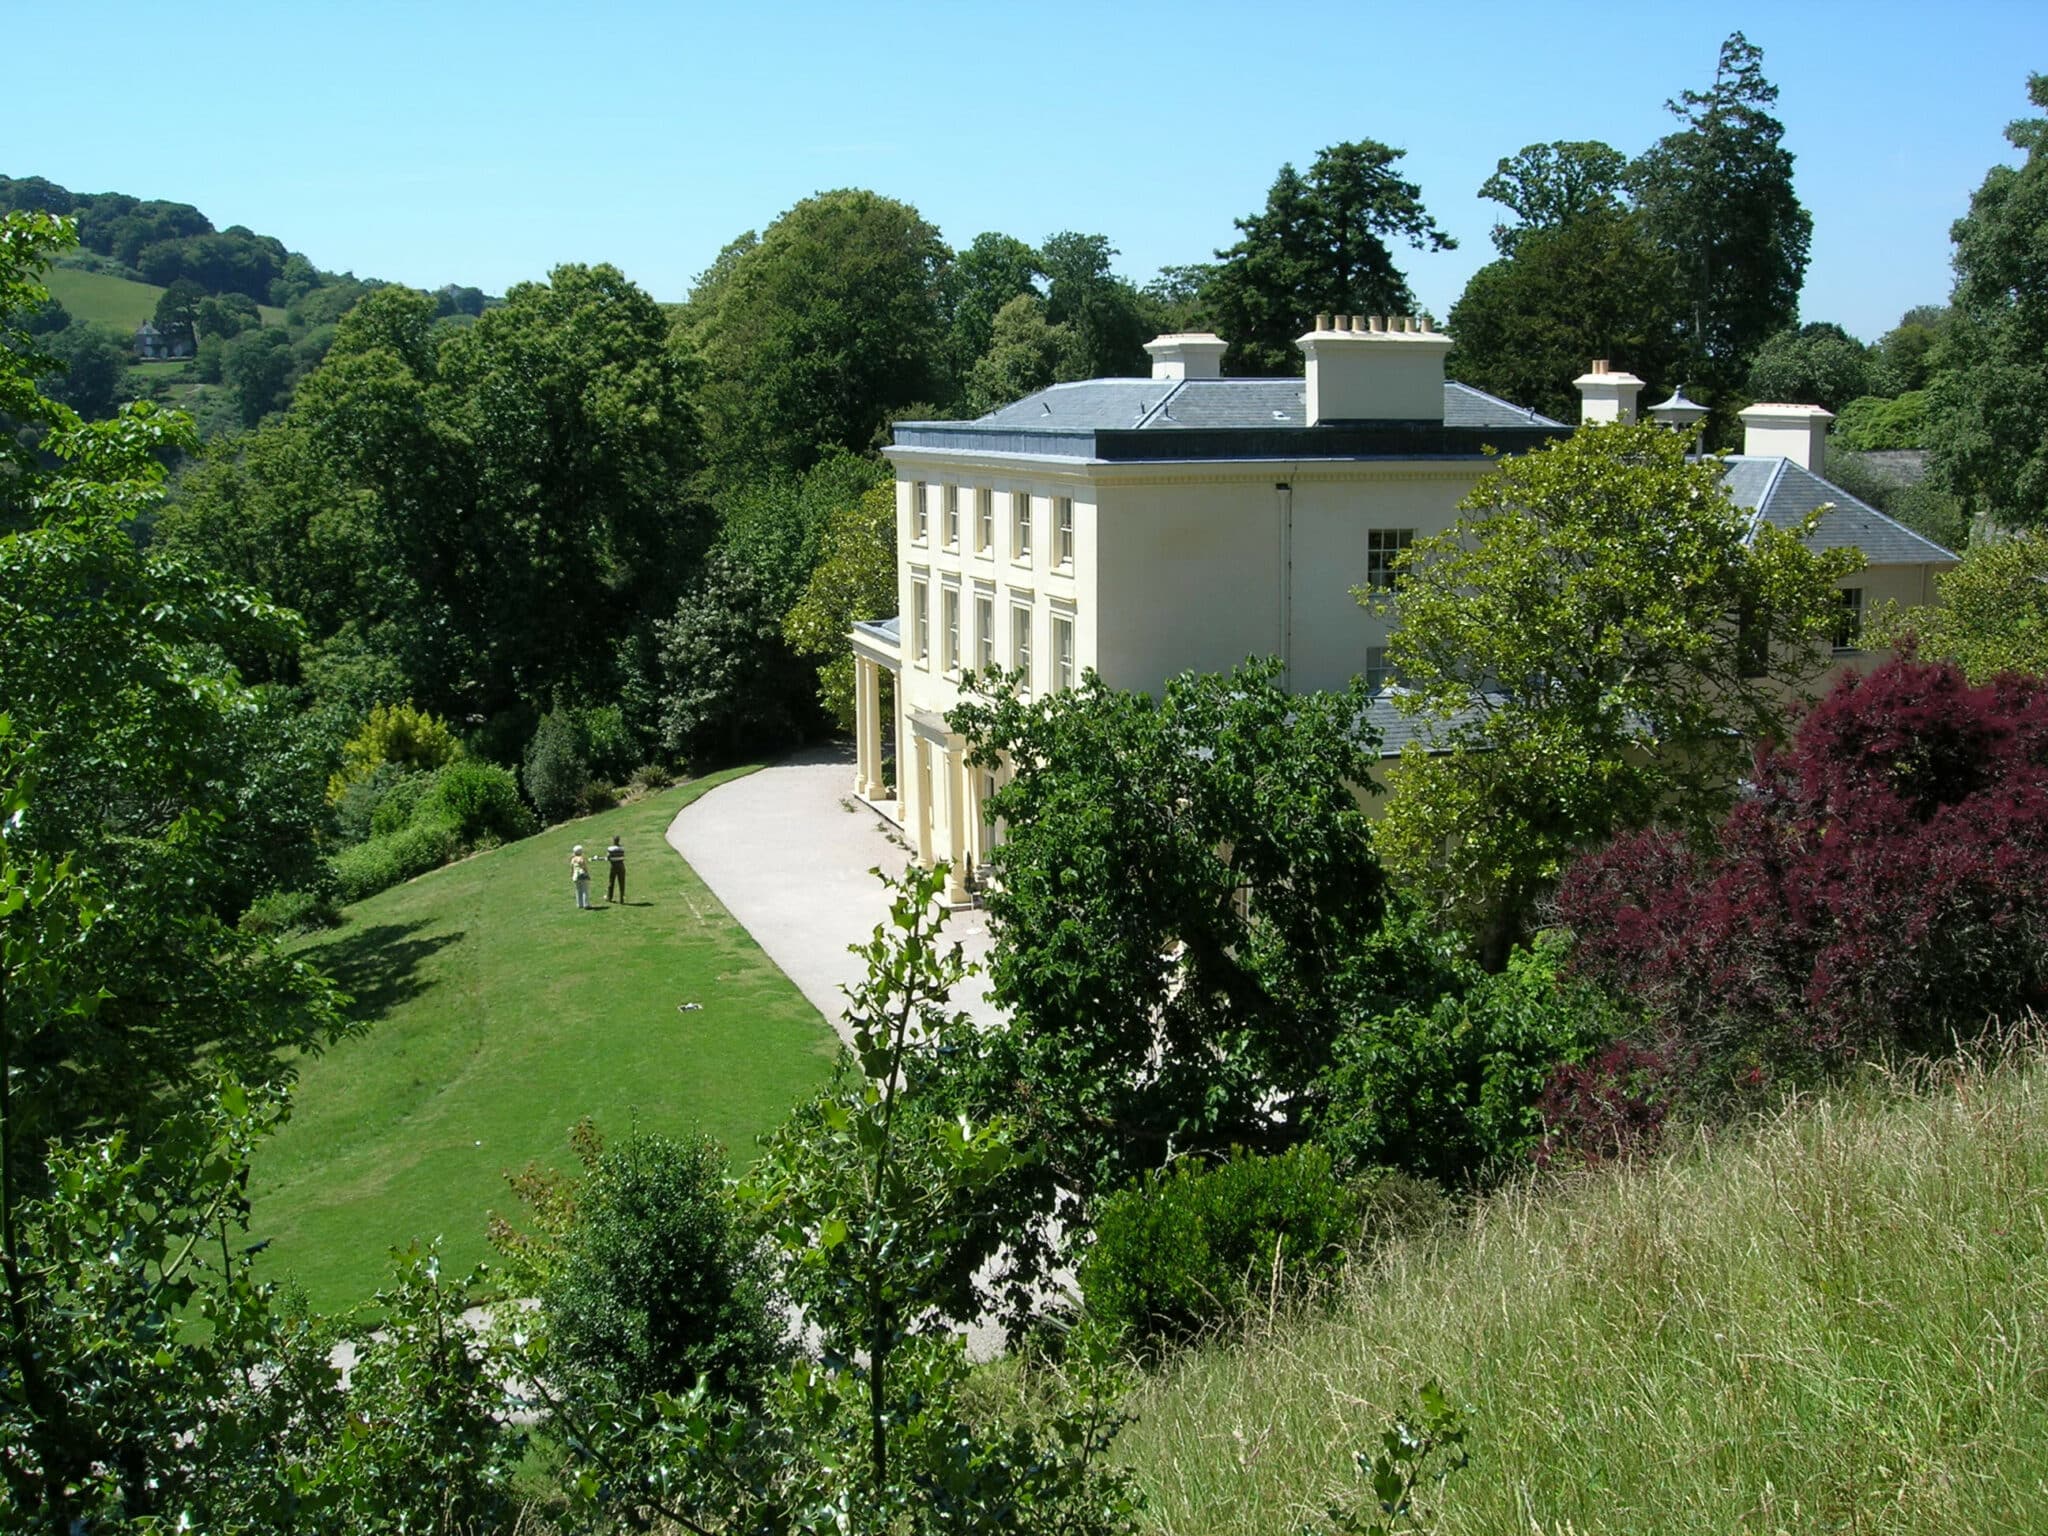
[(1848, 636), (1064, 669), (918, 529), (984, 521), (921, 621), (951, 501), (1020, 527), (984, 628), (1378, 670), (1383, 546), (1020, 640), (1063, 530), (949, 627)]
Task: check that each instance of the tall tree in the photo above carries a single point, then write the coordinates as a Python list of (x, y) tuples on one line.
[(1596, 647), (1596, 285), (1026, 352), (814, 337), (1989, 408), (1547, 186), (855, 580), (177, 310), (991, 272), (1187, 882), (1818, 364), (159, 782), (1319, 245), (1718, 193), (1107, 316)]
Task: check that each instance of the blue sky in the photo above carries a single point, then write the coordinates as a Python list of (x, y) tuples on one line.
[(438, 142)]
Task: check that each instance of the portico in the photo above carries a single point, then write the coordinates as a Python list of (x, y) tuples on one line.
[(877, 655)]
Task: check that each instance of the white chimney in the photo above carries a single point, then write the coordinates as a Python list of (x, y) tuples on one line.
[(1377, 368), (1607, 396), (1187, 355), (1795, 432)]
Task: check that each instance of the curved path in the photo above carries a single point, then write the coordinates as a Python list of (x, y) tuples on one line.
[(788, 850)]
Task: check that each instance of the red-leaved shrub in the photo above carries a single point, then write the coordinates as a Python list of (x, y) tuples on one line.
[(1609, 1108), (1883, 884)]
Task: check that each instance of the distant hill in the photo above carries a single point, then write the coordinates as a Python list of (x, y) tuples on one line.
[(101, 298), (258, 315)]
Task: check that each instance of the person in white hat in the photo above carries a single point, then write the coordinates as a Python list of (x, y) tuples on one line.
[(579, 873)]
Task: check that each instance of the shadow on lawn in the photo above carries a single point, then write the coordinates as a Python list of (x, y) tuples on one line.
[(379, 967)]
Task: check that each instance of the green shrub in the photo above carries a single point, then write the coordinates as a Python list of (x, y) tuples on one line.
[(652, 776), (383, 862), (1449, 1087), (394, 733), (656, 1284), (1188, 1248), (355, 813), (608, 746), (556, 769), (283, 912), (398, 801), (478, 802), (1871, 423)]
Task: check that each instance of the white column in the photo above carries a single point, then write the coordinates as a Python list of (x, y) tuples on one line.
[(863, 716), (956, 827), (871, 734)]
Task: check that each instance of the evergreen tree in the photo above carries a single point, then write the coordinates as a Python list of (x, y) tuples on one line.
[(1319, 246), (1718, 193)]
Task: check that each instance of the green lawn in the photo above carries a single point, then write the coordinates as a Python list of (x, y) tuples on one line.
[(499, 1015), (117, 301)]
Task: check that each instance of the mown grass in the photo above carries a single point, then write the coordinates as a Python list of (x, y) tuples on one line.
[(122, 302), (498, 1016), (1836, 1322)]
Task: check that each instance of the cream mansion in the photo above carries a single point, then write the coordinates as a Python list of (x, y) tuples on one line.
[(1147, 527)]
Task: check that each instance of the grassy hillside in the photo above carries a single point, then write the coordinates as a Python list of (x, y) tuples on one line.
[(500, 1015), (116, 301), (1838, 1323)]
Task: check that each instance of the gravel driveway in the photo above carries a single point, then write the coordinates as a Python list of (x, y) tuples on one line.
[(789, 850)]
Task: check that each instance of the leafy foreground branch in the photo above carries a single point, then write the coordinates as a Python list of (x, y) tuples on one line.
[(883, 1222)]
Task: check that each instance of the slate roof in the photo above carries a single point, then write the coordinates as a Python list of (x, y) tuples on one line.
[(1164, 405), (1782, 493), (1396, 729)]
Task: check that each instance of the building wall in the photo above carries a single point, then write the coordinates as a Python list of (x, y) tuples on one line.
[(1173, 569)]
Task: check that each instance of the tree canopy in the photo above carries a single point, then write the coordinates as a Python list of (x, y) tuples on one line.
[(1318, 246), (1593, 285), (1989, 408), (1547, 186), (1594, 648), (1185, 881), (1718, 194), (815, 336)]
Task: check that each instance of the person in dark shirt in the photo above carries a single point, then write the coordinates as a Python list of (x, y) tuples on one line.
[(615, 859)]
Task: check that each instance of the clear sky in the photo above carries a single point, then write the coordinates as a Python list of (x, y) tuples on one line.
[(483, 143)]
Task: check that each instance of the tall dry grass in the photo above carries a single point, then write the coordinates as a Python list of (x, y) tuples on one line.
[(1834, 1321)]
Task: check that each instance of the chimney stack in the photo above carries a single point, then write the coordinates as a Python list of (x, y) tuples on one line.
[(1374, 368), (1607, 396), (1187, 355), (1795, 432)]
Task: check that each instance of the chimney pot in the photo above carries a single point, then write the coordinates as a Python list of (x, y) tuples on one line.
[(1322, 322), (1599, 365)]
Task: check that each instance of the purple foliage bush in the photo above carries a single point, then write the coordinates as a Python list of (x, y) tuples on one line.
[(1883, 885)]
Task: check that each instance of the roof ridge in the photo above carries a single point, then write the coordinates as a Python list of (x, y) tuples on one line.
[(1145, 417)]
